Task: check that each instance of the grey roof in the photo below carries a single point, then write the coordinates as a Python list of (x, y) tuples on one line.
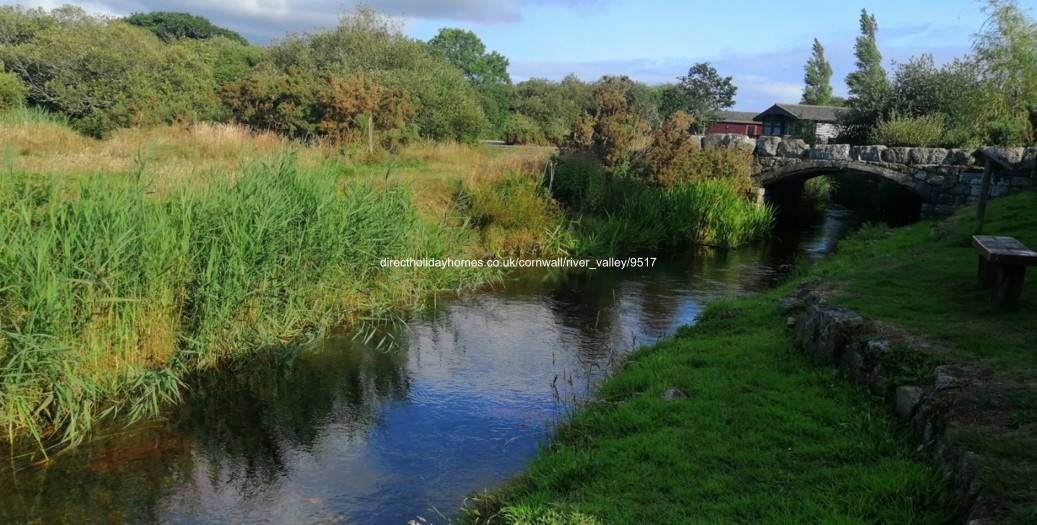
[(803, 112), (735, 117)]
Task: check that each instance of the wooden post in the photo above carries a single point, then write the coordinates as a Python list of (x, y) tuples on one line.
[(370, 134), (984, 193)]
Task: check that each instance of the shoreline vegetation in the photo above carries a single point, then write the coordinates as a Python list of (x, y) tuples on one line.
[(129, 263), (765, 434)]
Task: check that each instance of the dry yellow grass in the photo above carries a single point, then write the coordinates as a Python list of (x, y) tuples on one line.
[(187, 157)]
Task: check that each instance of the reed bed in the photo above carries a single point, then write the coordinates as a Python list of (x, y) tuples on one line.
[(109, 295)]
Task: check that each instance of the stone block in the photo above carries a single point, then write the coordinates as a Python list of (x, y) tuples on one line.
[(926, 156), (793, 148), (740, 142), (970, 177), (958, 157), (896, 155), (767, 146), (906, 401), (830, 152), (712, 141), (936, 180), (825, 331), (867, 153), (1022, 181)]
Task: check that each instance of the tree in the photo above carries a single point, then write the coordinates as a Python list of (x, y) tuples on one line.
[(818, 78), (447, 107), (869, 88), (80, 67), (703, 92), (466, 52), (618, 122), (1007, 52), (171, 26)]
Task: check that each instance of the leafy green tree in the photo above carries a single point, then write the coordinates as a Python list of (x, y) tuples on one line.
[(18, 25), (12, 91), (80, 67), (869, 87), (467, 52), (553, 106), (171, 26), (1007, 53), (446, 106), (817, 78), (702, 93)]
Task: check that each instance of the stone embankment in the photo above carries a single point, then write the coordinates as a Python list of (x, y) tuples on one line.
[(842, 338)]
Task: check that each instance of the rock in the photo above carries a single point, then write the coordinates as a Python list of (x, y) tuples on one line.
[(787, 305), (793, 148), (825, 331), (767, 146), (867, 153), (926, 156), (830, 152), (673, 394), (712, 141), (790, 322), (907, 398), (896, 155), (958, 157), (741, 143)]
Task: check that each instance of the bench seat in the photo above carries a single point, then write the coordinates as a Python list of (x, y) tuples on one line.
[(1002, 267)]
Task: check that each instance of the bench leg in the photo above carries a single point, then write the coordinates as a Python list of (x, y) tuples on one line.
[(985, 273), (1007, 285)]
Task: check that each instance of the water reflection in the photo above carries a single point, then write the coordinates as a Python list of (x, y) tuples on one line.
[(353, 434)]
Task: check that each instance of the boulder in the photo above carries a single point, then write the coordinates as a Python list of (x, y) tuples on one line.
[(793, 148), (767, 146), (825, 331)]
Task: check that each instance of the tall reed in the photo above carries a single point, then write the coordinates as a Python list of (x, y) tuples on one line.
[(109, 296)]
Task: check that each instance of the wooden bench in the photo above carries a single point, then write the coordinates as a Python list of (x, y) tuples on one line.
[(1002, 267)]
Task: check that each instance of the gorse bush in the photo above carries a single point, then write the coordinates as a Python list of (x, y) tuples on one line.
[(521, 129)]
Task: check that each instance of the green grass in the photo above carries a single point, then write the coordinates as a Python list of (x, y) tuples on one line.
[(923, 279), (765, 436)]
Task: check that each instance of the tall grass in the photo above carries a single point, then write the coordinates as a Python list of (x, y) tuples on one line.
[(109, 295), (623, 214)]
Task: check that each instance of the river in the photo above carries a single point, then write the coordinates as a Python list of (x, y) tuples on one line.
[(355, 433)]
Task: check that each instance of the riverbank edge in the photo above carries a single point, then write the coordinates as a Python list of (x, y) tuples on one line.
[(929, 390)]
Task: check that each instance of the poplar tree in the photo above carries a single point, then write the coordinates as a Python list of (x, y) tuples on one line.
[(817, 78), (869, 88)]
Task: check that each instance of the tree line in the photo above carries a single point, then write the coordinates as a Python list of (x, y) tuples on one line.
[(364, 81), (986, 97)]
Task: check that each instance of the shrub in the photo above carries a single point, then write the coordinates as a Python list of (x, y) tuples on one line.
[(922, 131), (82, 68), (12, 91), (521, 129)]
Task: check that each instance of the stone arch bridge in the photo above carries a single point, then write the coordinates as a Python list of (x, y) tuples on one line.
[(942, 178)]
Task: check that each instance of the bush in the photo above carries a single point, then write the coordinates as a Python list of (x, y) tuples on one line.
[(12, 91), (923, 131), (521, 129), (105, 75)]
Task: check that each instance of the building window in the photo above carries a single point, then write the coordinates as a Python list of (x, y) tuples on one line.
[(750, 130)]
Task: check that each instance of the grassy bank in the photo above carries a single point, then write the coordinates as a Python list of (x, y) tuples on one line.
[(768, 436), (765, 436)]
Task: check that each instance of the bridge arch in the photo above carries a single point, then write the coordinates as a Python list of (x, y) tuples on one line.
[(808, 169)]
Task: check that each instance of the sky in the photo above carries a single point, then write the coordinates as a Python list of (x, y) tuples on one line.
[(763, 45)]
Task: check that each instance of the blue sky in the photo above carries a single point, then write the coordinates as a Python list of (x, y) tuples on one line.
[(762, 44)]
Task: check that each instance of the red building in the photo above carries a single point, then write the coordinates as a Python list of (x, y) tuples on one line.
[(736, 122)]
